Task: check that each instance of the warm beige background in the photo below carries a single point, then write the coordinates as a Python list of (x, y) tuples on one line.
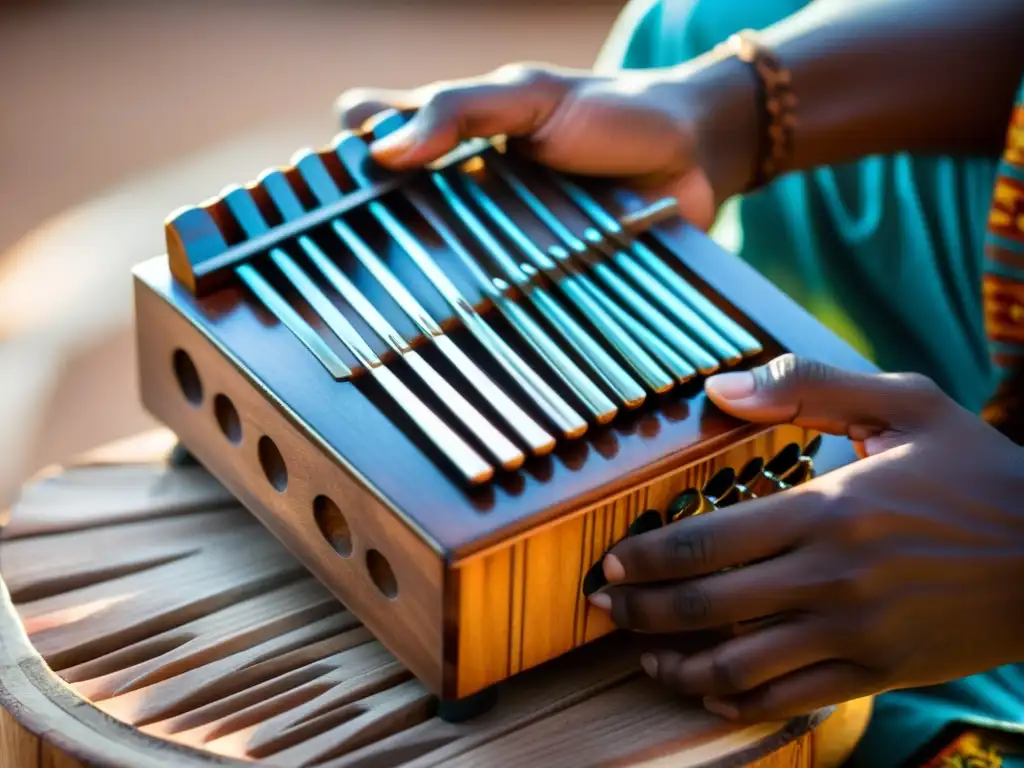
[(112, 114)]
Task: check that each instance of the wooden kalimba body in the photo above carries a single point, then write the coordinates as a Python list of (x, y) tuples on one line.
[(449, 392)]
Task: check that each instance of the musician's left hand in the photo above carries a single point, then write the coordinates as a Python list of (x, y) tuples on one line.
[(901, 570)]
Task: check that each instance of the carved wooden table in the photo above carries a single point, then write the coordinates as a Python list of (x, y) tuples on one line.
[(146, 619)]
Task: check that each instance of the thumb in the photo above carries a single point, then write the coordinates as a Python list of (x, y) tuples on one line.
[(817, 396)]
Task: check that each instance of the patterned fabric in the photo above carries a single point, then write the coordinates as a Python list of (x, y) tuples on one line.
[(965, 745), (1003, 282)]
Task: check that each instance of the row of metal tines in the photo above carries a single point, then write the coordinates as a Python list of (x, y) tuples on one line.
[(790, 467), (649, 328)]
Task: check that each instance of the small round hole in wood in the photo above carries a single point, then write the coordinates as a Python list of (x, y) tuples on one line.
[(333, 525), (751, 470), (784, 461), (188, 377), (720, 484), (228, 419), (273, 464), (381, 573)]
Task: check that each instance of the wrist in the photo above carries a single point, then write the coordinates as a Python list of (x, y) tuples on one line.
[(725, 99)]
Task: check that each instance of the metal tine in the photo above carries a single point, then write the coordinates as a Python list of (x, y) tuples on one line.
[(324, 188), (500, 447), (628, 392), (695, 356), (672, 361), (597, 402), (740, 340), (466, 460), (268, 296), (534, 274), (571, 284), (355, 157), (292, 320), (600, 407), (719, 346)]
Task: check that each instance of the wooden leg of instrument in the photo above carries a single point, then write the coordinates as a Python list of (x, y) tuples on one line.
[(460, 710), (181, 457)]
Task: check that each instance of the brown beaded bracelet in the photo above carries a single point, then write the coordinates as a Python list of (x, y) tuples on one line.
[(778, 102)]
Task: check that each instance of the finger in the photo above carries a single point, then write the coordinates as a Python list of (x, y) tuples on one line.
[(513, 101), (818, 396), (713, 601), (752, 531), (355, 108), (744, 663), (800, 693)]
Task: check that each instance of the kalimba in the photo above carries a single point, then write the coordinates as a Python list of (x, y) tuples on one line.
[(449, 392)]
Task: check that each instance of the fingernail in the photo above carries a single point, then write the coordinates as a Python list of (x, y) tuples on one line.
[(394, 145), (732, 386), (721, 708), (602, 601), (613, 568), (650, 664)]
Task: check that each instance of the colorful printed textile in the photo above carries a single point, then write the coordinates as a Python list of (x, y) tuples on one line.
[(1003, 282)]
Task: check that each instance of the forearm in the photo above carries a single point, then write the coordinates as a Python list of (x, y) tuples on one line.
[(883, 76)]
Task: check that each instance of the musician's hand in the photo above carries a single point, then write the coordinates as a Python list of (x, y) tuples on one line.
[(665, 131), (901, 570)]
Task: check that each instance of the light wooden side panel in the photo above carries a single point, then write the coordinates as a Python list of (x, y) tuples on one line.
[(552, 571), (521, 604), (410, 624), (496, 575)]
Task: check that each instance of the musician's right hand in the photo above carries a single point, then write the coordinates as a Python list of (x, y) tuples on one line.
[(903, 570), (667, 132)]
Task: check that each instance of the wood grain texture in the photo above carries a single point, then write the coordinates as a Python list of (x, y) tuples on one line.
[(410, 623), (129, 671), (520, 603)]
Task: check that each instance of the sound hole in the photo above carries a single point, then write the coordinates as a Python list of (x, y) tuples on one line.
[(188, 377), (721, 483), (813, 447), (228, 419), (333, 525), (751, 471), (802, 473), (273, 464), (686, 504), (381, 573), (785, 461)]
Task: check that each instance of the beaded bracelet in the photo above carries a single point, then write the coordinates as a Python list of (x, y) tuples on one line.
[(777, 102)]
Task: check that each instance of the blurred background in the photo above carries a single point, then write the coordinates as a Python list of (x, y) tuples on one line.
[(115, 113)]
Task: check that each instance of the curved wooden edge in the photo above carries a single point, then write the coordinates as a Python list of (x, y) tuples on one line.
[(45, 705)]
